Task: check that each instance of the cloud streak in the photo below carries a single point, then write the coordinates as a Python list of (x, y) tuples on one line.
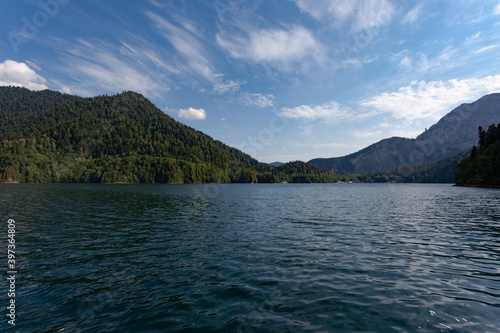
[(186, 41), (413, 15), (356, 15), (96, 66), (330, 111)]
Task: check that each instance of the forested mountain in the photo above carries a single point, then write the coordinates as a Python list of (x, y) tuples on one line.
[(301, 172), (19, 105), (441, 171), (50, 137), (482, 166), (453, 134)]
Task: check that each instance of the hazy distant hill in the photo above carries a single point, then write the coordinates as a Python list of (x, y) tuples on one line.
[(454, 133)]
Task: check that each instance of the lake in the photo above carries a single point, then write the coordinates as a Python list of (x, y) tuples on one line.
[(254, 258)]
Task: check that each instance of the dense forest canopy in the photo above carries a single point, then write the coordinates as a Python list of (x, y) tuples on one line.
[(47, 136), (441, 171), (482, 166), (52, 137)]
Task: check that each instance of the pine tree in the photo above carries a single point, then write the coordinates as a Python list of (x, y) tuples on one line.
[(482, 137)]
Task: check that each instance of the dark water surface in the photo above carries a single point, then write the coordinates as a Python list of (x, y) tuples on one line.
[(254, 258)]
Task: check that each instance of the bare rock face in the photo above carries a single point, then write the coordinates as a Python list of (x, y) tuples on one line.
[(455, 132)]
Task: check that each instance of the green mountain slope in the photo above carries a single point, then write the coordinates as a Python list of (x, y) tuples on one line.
[(18, 106), (122, 138), (301, 172), (50, 137)]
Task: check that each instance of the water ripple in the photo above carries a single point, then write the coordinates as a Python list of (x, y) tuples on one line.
[(275, 258)]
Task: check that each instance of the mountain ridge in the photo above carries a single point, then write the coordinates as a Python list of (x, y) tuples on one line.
[(47, 136), (453, 133)]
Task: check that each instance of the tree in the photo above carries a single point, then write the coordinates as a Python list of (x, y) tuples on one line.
[(482, 137)]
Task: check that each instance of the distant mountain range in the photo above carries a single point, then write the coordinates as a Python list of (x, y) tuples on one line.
[(452, 134), (46, 136)]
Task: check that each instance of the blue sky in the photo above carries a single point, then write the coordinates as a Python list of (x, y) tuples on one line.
[(281, 80)]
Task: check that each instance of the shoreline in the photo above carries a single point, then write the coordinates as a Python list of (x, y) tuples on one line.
[(477, 186)]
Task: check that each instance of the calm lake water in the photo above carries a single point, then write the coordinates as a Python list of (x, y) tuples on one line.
[(254, 258)]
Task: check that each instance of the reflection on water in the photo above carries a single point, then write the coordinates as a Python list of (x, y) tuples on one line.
[(248, 258)]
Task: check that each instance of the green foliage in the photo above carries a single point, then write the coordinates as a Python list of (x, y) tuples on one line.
[(300, 172), (441, 171), (482, 166), (50, 137)]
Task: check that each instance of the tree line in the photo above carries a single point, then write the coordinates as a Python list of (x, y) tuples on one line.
[(482, 166), (52, 137)]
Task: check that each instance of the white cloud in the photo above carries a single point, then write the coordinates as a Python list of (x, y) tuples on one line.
[(497, 10), (432, 99), (259, 100), (272, 46), (327, 111), (19, 74), (193, 114), (413, 15), (359, 15)]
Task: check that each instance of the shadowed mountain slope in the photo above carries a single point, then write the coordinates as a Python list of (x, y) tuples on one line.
[(452, 134)]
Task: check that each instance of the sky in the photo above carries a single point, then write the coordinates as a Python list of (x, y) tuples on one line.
[(282, 80)]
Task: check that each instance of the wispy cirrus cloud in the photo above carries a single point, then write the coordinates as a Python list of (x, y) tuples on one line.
[(96, 66), (313, 112), (355, 15), (19, 74), (419, 62), (355, 24), (222, 87), (413, 15), (331, 111), (277, 47), (485, 49), (259, 100), (186, 40)]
